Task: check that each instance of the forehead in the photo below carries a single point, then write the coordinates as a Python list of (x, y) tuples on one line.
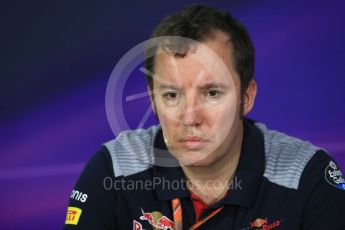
[(211, 60)]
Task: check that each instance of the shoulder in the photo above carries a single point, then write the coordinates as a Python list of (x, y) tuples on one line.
[(132, 151), (286, 157)]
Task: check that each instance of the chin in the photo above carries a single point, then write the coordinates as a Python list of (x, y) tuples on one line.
[(195, 160)]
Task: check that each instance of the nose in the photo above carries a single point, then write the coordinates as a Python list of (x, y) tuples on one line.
[(192, 114)]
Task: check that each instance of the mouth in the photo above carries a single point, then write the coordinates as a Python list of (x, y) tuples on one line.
[(193, 143)]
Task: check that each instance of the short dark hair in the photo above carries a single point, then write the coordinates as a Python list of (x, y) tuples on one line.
[(199, 22)]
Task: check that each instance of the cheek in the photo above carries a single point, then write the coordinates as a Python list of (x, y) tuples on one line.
[(168, 123), (166, 113), (167, 117), (222, 119), (224, 113)]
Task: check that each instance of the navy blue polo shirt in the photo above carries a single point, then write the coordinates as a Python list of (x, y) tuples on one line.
[(280, 182)]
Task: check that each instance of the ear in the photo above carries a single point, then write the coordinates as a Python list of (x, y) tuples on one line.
[(249, 97), (153, 106)]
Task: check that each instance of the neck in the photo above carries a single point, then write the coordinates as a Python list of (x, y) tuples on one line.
[(220, 172)]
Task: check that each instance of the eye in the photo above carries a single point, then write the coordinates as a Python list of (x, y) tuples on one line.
[(213, 96), (212, 93), (170, 95), (171, 98)]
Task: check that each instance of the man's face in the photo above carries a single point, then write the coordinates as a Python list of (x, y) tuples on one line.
[(197, 100)]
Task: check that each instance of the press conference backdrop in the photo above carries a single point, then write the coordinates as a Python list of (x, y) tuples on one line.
[(56, 59)]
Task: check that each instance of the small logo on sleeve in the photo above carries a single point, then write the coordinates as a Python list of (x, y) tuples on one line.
[(73, 215), (78, 196), (334, 176)]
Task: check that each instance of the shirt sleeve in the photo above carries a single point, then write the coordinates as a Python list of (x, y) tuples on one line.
[(325, 185), (92, 201)]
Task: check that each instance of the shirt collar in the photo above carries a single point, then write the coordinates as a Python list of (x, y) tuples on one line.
[(248, 175)]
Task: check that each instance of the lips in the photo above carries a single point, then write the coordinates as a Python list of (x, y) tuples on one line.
[(193, 138), (193, 143)]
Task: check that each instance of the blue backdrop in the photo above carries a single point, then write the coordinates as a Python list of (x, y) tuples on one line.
[(57, 57)]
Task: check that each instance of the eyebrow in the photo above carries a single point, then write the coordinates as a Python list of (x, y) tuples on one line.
[(168, 87), (205, 86), (213, 85)]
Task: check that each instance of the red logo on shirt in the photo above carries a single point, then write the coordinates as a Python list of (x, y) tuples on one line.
[(155, 219), (258, 223), (137, 225), (263, 224)]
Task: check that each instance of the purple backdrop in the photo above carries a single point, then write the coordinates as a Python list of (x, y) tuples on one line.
[(58, 57)]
